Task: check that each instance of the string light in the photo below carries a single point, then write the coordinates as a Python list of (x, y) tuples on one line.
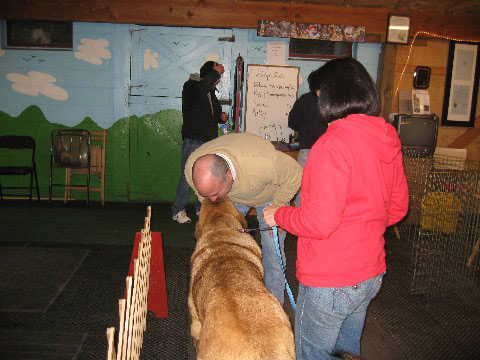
[(411, 47)]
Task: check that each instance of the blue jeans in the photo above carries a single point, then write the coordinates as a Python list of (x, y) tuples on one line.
[(330, 320), (274, 278), (302, 160), (183, 189)]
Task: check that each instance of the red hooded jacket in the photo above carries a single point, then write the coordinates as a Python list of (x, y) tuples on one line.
[(353, 187)]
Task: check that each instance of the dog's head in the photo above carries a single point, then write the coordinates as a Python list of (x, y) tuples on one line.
[(221, 211)]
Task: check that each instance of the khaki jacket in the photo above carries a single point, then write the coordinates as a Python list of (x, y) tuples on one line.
[(262, 173)]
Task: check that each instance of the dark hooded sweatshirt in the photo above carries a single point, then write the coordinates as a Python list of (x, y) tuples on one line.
[(200, 107)]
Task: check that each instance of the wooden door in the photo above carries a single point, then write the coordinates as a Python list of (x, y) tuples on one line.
[(162, 59)]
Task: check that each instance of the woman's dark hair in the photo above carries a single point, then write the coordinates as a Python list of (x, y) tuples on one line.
[(206, 68), (313, 81), (345, 88)]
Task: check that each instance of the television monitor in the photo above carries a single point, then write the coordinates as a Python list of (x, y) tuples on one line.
[(418, 133)]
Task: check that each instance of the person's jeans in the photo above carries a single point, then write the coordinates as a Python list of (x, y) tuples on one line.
[(274, 278), (330, 320), (183, 189), (302, 160)]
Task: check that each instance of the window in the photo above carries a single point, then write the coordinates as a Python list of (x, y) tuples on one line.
[(318, 49), (39, 34)]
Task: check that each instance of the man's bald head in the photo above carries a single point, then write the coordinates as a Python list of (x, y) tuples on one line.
[(211, 176)]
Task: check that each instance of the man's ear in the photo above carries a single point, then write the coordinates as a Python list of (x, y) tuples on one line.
[(229, 175)]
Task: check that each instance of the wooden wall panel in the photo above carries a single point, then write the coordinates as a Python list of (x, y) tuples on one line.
[(232, 14), (434, 53)]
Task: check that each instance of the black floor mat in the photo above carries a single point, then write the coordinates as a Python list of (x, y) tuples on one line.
[(32, 278), (33, 345), (399, 325), (89, 305)]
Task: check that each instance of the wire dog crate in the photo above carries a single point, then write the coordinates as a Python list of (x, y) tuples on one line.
[(443, 222)]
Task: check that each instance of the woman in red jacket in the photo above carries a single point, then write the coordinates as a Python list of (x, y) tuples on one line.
[(353, 187)]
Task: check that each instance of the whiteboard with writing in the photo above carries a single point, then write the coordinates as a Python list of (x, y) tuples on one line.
[(271, 92)]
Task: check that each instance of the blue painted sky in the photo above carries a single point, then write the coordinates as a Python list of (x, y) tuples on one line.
[(118, 70)]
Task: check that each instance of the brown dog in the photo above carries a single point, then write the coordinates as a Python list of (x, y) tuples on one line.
[(233, 315)]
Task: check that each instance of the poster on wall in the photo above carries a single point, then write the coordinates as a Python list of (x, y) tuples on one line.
[(297, 30), (420, 102), (271, 92), (276, 53), (461, 87)]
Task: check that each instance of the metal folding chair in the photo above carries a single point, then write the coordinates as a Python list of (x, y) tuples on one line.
[(27, 167)]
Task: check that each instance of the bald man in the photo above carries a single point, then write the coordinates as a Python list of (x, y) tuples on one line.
[(252, 173)]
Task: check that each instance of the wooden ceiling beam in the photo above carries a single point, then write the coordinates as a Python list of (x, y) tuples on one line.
[(233, 14)]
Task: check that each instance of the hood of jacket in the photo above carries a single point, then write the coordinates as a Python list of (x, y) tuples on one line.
[(194, 77), (375, 131)]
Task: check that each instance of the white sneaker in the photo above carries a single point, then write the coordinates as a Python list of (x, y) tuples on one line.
[(181, 217)]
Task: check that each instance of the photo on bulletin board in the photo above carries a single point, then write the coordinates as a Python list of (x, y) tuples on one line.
[(461, 86), (270, 95)]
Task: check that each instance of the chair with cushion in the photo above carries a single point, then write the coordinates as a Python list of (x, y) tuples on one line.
[(21, 154), (98, 141), (70, 149)]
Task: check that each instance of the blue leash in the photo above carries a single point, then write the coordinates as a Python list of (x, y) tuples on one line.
[(279, 254)]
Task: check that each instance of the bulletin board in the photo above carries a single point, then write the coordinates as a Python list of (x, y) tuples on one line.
[(271, 93)]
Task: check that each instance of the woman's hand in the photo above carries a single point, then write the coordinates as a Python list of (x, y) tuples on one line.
[(269, 215)]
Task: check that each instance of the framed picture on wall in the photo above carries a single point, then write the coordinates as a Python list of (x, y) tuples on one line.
[(461, 85), (39, 34)]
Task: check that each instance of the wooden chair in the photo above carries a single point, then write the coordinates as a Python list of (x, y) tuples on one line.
[(98, 141), (70, 149), (27, 167)]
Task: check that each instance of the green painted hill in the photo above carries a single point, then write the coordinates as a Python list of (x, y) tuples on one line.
[(142, 157)]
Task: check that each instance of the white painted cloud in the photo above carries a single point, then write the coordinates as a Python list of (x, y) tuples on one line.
[(93, 51), (36, 83), (212, 57), (2, 52), (150, 59)]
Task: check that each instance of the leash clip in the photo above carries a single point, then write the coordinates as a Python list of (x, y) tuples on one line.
[(254, 229)]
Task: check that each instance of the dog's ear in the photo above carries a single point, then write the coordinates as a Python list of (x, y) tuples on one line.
[(198, 230), (238, 215), (242, 220), (203, 216)]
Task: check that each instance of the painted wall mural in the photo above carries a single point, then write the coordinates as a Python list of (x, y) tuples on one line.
[(142, 157), (150, 59), (93, 51), (128, 80), (37, 83)]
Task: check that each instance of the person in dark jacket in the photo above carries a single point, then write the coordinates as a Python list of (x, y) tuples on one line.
[(201, 115), (306, 120)]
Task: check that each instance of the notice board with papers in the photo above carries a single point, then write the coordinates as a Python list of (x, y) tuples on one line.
[(271, 93)]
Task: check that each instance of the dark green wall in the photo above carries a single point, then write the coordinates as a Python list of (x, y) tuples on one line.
[(142, 157)]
